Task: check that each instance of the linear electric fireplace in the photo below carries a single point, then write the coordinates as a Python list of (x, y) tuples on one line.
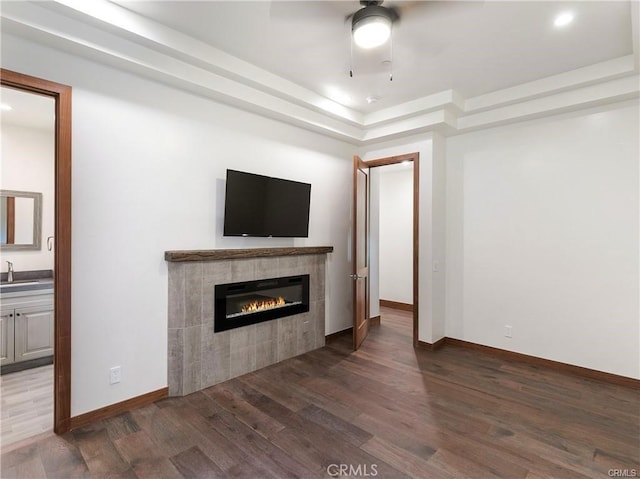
[(199, 353), (251, 302)]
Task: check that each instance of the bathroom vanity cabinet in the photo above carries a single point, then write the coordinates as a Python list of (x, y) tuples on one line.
[(26, 327)]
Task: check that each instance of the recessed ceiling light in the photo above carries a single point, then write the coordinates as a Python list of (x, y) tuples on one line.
[(563, 19), (372, 99), (5, 107)]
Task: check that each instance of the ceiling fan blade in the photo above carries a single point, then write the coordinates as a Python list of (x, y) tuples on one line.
[(422, 22), (436, 7), (394, 11), (309, 11)]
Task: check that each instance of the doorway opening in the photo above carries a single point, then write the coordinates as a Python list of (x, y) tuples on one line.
[(392, 244), (60, 244), (362, 183)]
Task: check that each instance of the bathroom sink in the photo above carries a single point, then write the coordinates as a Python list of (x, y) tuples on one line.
[(25, 282), (24, 286)]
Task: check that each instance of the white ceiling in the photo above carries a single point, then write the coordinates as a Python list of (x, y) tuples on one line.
[(457, 66), (473, 47)]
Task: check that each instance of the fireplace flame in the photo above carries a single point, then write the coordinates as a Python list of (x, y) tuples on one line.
[(263, 304)]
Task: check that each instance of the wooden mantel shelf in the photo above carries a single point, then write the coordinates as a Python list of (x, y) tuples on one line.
[(221, 254)]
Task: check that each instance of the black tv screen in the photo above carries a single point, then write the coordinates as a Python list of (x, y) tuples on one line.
[(257, 205)]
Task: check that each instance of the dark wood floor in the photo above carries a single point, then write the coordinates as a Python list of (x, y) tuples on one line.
[(387, 411)]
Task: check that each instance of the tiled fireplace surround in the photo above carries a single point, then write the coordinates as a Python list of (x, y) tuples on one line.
[(198, 357)]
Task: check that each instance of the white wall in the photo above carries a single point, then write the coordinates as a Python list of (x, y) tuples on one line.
[(396, 233), (148, 176), (542, 236), (374, 242), (28, 165), (438, 213)]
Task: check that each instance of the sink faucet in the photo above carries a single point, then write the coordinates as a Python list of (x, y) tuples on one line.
[(10, 272)]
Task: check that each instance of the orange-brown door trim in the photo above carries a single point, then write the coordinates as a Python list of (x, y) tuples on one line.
[(62, 262), (11, 219)]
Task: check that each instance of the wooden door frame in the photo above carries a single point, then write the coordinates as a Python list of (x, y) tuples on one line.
[(11, 219), (415, 159), (62, 245)]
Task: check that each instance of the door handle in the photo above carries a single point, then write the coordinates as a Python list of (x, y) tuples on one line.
[(356, 277)]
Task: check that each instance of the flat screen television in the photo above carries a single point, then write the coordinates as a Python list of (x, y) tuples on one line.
[(257, 205)]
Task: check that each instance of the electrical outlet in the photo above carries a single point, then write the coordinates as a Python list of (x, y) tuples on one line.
[(507, 331), (115, 375), (305, 326)]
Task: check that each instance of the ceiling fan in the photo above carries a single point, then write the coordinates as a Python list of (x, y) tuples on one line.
[(316, 20), (371, 27)]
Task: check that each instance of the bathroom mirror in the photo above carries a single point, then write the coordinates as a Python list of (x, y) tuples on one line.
[(20, 220)]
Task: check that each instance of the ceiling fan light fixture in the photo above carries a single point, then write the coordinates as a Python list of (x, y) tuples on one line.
[(371, 26)]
